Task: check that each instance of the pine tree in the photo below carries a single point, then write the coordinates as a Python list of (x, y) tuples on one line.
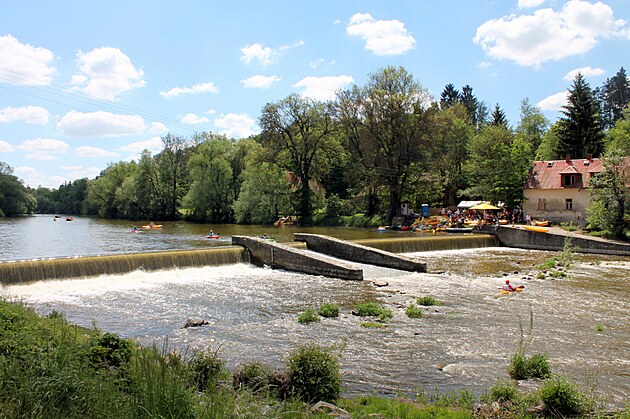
[(468, 99), (449, 96), (614, 96), (498, 117), (581, 130)]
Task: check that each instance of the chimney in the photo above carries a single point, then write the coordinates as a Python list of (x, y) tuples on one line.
[(567, 158), (589, 157)]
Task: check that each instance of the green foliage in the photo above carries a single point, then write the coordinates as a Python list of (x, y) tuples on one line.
[(414, 312), (523, 367), (600, 327), (314, 373), (15, 199), (373, 325), (206, 369), (361, 220), (374, 310), (562, 397), (386, 407), (110, 351), (255, 377), (428, 300), (308, 316), (328, 310), (502, 391)]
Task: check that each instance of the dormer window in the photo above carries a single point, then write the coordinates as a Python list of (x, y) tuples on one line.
[(569, 180), (549, 164)]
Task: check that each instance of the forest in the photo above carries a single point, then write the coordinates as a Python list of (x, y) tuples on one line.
[(356, 158)]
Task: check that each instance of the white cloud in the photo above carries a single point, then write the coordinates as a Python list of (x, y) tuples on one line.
[(315, 64), (105, 73), (322, 88), (43, 148), (484, 64), (585, 71), (154, 145), (80, 172), (527, 4), (29, 114), (93, 152), (554, 102), (100, 124), (264, 55), (195, 90), (382, 37), (33, 178), (24, 64), (191, 118), (5, 147), (156, 128), (211, 111), (547, 35), (260, 82), (236, 125)]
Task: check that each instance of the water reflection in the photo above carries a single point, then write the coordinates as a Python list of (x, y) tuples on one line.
[(465, 343)]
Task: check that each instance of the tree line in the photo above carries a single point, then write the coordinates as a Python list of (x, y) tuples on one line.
[(373, 147)]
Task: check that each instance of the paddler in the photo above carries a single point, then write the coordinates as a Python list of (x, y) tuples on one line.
[(507, 286)]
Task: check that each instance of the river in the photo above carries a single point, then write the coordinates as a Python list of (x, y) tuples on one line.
[(581, 322)]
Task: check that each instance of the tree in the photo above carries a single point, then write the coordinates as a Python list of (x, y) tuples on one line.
[(619, 135), (172, 164), (389, 129), (102, 191), (14, 197), (609, 192), (298, 133), (449, 96), (533, 125), (614, 96), (580, 128), (498, 117), (468, 99)]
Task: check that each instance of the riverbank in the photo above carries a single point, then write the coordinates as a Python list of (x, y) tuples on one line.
[(54, 369)]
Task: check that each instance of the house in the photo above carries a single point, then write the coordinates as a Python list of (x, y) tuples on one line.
[(557, 190)]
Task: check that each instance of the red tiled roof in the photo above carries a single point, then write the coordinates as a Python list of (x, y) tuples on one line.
[(548, 174)]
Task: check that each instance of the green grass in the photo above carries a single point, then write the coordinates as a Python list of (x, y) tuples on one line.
[(414, 312), (523, 367), (328, 310), (368, 309), (373, 325), (308, 316), (428, 300), (599, 327), (562, 397)]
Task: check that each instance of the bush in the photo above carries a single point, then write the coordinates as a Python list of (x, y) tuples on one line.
[(503, 391), (373, 325), (414, 312), (374, 310), (523, 367), (328, 310), (110, 351), (255, 377), (562, 397), (314, 374), (206, 369), (427, 301), (308, 316)]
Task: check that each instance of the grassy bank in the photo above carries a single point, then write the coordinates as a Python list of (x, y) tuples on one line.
[(52, 369)]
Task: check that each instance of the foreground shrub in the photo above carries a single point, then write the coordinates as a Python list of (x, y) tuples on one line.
[(328, 310), (308, 316), (427, 301), (255, 377), (374, 310), (314, 374), (562, 397), (502, 391), (110, 351), (414, 312), (523, 367), (206, 369)]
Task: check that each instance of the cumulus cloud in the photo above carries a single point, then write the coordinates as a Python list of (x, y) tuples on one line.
[(33, 178), (585, 71), (382, 37), (43, 148), (24, 64), (5, 147), (80, 172), (191, 118), (322, 88), (548, 35), (527, 4), (100, 124), (259, 82), (554, 102), (195, 90), (154, 145), (257, 52), (93, 152), (29, 114), (236, 125), (105, 73), (156, 128)]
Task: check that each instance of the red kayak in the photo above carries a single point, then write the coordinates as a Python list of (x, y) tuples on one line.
[(214, 236)]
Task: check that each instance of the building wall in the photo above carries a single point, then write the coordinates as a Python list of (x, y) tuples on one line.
[(556, 211)]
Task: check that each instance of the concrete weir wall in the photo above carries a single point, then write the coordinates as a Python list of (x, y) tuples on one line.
[(526, 239), (280, 256), (358, 253)]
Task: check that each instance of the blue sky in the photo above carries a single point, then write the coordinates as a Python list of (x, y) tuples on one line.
[(86, 83)]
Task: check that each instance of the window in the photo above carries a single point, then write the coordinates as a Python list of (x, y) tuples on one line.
[(568, 204), (542, 204), (569, 180)]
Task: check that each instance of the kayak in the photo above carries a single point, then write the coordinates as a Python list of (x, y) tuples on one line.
[(506, 292), (214, 236), (149, 226), (537, 229)]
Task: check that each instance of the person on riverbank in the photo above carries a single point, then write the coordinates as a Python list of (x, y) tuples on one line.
[(507, 286)]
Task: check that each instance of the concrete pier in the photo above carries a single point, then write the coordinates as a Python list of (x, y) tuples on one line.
[(280, 256), (358, 253)]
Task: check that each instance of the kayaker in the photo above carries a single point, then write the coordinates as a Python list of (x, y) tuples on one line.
[(507, 286), (211, 233)]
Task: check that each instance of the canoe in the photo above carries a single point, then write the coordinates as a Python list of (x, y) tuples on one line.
[(537, 229), (383, 228), (459, 230)]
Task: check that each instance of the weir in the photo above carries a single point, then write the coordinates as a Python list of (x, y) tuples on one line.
[(281, 256), (36, 270), (358, 252), (430, 244)]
